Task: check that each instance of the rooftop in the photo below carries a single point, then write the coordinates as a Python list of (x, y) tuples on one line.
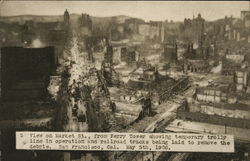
[(235, 106)]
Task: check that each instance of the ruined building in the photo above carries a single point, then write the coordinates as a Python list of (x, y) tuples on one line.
[(154, 30), (129, 56), (140, 30), (28, 33), (245, 17), (189, 51), (194, 33), (222, 104), (169, 55), (233, 29), (199, 24), (131, 25), (242, 80), (234, 61), (108, 71), (130, 105), (196, 66), (216, 106), (85, 24)]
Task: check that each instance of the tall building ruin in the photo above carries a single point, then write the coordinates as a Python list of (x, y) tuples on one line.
[(85, 21), (170, 53), (194, 32)]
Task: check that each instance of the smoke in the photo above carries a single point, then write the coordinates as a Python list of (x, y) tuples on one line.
[(37, 43)]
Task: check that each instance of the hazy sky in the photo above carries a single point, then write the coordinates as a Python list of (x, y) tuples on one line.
[(148, 10)]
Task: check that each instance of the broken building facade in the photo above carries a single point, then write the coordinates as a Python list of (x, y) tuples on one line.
[(138, 30), (85, 23), (153, 30), (129, 56), (169, 55), (242, 80), (245, 16), (131, 105), (195, 66), (194, 33)]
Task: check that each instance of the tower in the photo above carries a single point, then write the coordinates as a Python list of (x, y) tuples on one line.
[(199, 32), (66, 18)]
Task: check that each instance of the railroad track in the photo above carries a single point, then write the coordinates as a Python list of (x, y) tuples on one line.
[(158, 125)]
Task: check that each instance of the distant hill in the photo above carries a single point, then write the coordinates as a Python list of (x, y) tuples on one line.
[(37, 18), (53, 18), (21, 19), (121, 18)]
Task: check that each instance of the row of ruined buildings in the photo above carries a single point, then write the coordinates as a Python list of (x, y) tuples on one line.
[(138, 30), (223, 104), (233, 29)]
